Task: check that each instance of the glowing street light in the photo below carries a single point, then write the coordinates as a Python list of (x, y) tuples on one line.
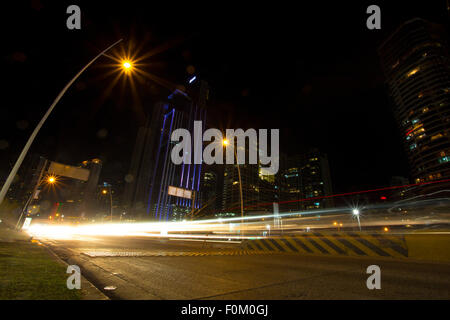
[(356, 213), (226, 142), (51, 179), (268, 228), (127, 65), (105, 192)]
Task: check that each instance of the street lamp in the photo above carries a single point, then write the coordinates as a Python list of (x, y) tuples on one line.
[(356, 214), (226, 142), (24, 152), (105, 192), (127, 65), (51, 179), (268, 228)]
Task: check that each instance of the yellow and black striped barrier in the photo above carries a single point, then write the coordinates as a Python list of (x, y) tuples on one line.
[(348, 243)]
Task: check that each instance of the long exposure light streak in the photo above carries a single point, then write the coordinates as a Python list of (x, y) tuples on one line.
[(230, 228)]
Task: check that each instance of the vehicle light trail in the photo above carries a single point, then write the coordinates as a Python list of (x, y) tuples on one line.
[(419, 212)]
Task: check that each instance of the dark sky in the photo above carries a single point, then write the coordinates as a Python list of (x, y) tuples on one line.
[(311, 71)]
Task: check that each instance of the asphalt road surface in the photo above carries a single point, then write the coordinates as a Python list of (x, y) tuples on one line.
[(145, 268)]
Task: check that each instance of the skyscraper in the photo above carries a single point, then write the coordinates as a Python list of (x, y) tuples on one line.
[(415, 61), (152, 171), (305, 176), (258, 191)]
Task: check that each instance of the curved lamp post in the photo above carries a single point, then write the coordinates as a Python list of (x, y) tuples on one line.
[(24, 152)]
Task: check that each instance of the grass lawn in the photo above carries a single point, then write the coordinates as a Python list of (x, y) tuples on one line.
[(28, 271)]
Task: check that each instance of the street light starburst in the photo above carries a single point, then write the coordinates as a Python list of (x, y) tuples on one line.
[(127, 65)]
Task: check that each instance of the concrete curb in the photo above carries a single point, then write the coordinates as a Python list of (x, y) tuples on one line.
[(429, 247)]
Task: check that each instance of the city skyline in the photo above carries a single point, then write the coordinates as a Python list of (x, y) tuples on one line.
[(107, 130), (222, 158)]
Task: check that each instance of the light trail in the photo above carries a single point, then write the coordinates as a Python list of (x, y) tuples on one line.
[(413, 213), (350, 193)]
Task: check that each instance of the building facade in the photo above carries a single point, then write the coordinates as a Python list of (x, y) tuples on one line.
[(415, 61), (302, 177), (258, 191)]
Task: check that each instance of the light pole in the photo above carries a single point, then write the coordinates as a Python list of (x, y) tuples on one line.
[(356, 213), (104, 191), (24, 152), (225, 143), (50, 180), (268, 228)]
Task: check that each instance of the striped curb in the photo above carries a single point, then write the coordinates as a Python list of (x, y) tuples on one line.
[(347, 244)]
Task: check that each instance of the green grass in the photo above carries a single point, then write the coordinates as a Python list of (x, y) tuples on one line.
[(29, 272)]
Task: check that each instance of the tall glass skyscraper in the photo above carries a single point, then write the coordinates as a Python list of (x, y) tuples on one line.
[(415, 61), (152, 171)]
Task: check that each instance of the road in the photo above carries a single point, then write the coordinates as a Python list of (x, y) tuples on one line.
[(145, 268)]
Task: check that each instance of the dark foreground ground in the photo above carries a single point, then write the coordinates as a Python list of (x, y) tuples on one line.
[(143, 268)]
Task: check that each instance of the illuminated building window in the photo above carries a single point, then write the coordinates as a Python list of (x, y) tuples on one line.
[(436, 136), (412, 72), (444, 159), (235, 182), (421, 136)]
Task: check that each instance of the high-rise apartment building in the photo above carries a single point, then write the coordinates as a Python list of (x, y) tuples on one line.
[(415, 61), (302, 177)]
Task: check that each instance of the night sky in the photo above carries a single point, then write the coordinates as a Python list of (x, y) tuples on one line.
[(312, 72)]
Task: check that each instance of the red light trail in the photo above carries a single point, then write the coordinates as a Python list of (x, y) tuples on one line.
[(350, 193)]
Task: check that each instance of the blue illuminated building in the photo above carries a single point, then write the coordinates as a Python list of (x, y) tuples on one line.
[(152, 171)]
